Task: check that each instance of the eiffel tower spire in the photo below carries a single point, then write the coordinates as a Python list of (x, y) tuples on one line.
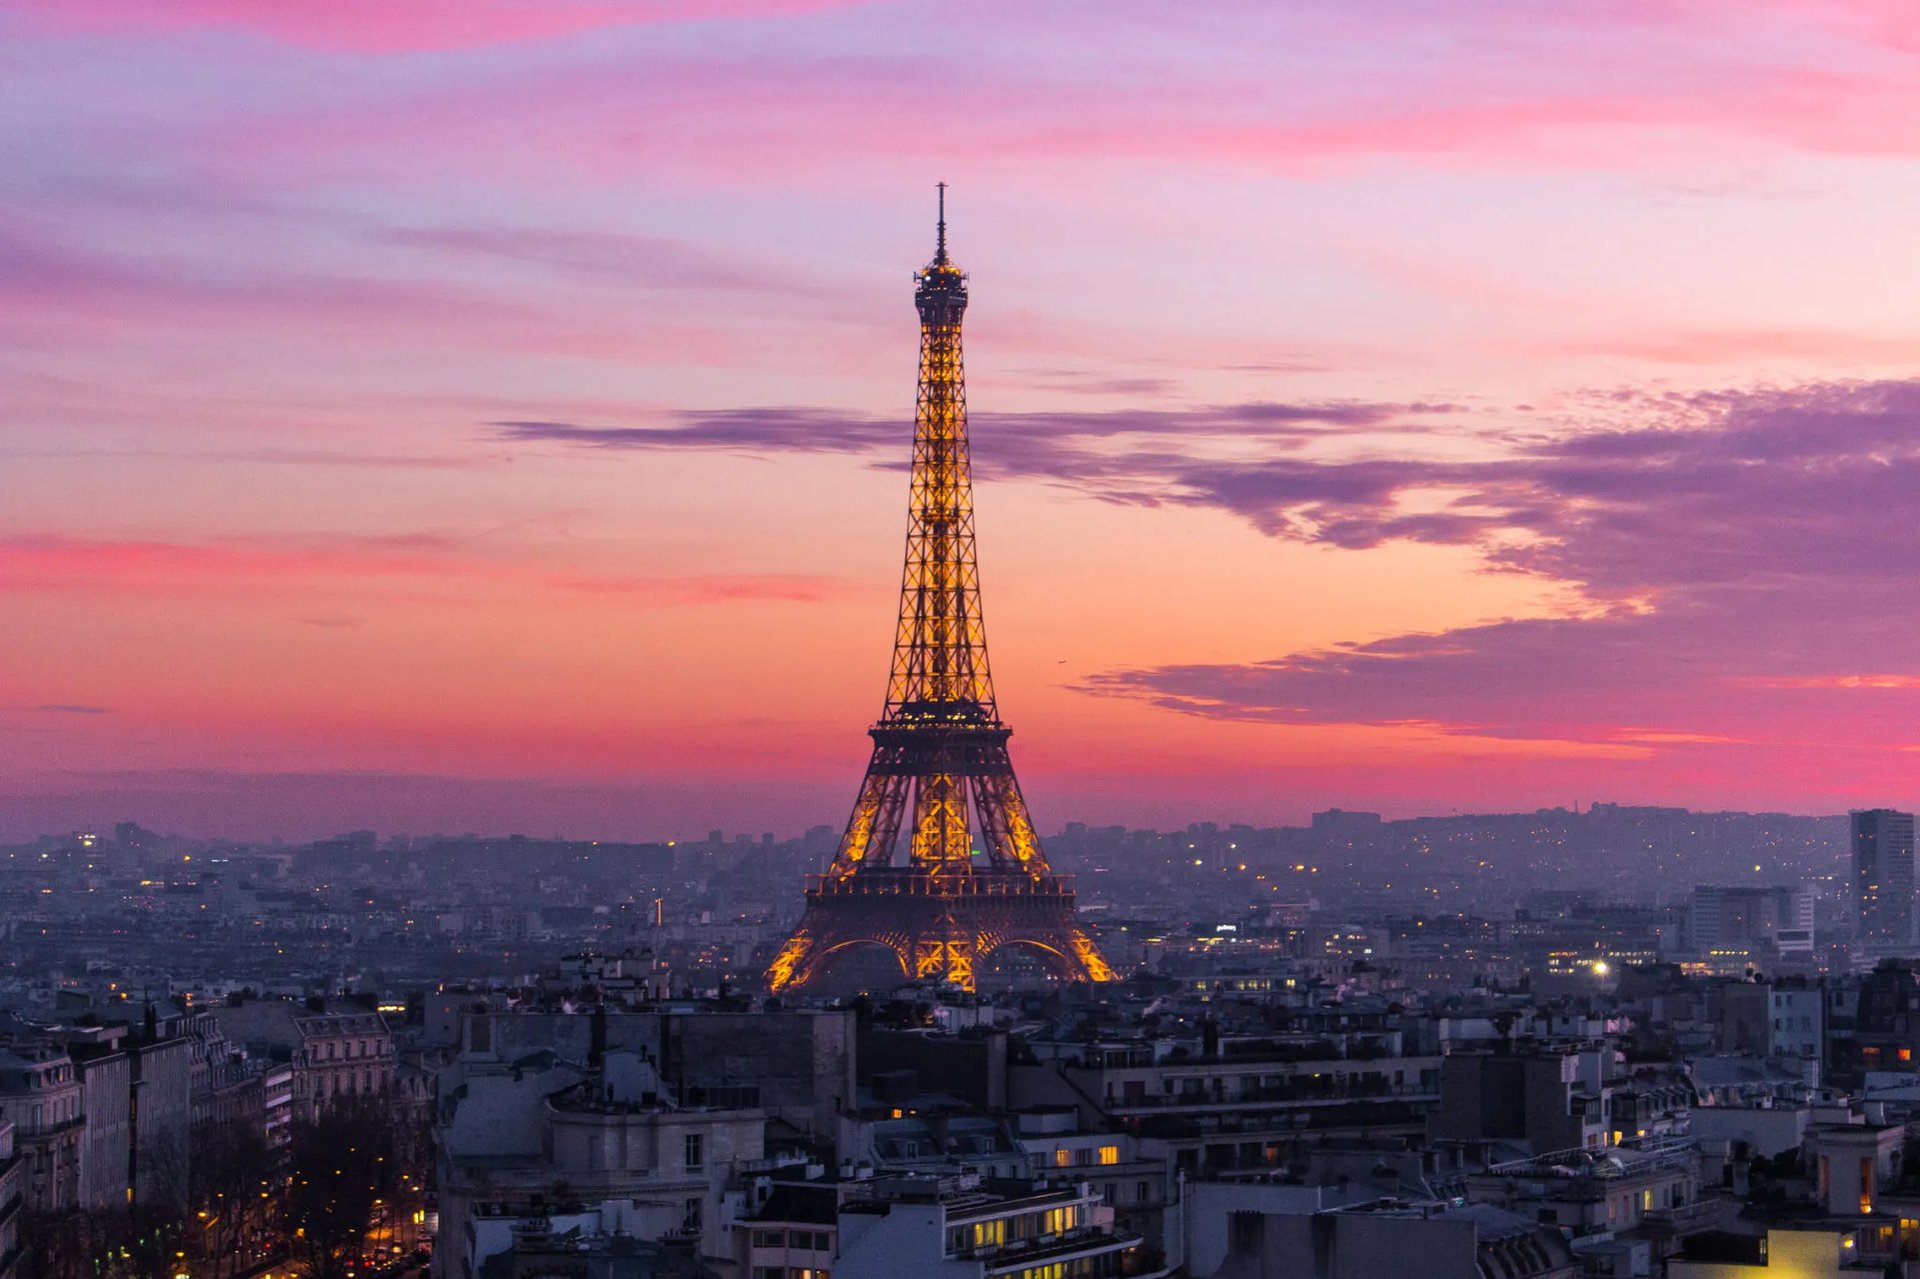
[(939, 789)]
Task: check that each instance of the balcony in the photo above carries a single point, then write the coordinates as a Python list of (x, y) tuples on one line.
[(1281, 1096), (1082, 1241), (1610, 1162), (1668, 1224), (1379, 1115)]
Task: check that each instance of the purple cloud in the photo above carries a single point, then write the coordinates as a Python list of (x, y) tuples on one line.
[(1748, 560), (1051, 445)]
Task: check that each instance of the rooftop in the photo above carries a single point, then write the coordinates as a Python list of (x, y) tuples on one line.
[(1631, 1159)]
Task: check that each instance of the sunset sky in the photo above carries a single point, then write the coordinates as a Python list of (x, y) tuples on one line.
[(489, 415)]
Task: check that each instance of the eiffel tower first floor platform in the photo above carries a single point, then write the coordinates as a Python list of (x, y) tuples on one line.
[(938, 926)]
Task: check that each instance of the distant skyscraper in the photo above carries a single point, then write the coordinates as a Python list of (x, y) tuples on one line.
[(1728, 918), (1883, 878)]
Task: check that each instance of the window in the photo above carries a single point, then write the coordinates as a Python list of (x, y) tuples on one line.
[(1060, 1220), (1140, 1192), (769, 1238), (1109, 1154), (690, 1222), (695, 1151), (990, 1233), (1062, 1157)]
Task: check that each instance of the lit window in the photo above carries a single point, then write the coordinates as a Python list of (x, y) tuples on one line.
[(1109, 1154)]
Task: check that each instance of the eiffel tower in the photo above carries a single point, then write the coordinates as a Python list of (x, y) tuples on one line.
[(940, 782)]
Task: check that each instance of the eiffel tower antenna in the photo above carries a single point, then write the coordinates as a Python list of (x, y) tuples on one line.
[(940, 862), (940, 235)]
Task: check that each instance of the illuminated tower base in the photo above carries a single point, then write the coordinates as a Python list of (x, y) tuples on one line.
[(939, 929)]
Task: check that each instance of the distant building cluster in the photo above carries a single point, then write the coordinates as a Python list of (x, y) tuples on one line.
[(1497, 1051)]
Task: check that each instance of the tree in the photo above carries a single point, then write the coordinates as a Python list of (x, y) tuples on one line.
[(114, 1243), (342, 1167), (234, 1191)]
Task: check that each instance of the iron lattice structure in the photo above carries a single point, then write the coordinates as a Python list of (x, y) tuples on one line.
[(940, 786)]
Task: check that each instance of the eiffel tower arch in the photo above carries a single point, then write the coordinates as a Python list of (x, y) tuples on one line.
[(939, 862)]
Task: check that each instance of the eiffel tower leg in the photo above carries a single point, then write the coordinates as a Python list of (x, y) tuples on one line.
[(1093, 964), (944, 949), (1008, 830), (792, 964), (833, 923), (875, 823), (930, 958)]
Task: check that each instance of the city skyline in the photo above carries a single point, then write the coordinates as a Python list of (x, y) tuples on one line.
[(460, 420)]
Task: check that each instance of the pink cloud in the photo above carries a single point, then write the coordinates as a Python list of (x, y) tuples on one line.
[(792, 588), (1833, 681), (1705, 347), (56, 294), (737, 117), (154, 569), (381, 27)]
